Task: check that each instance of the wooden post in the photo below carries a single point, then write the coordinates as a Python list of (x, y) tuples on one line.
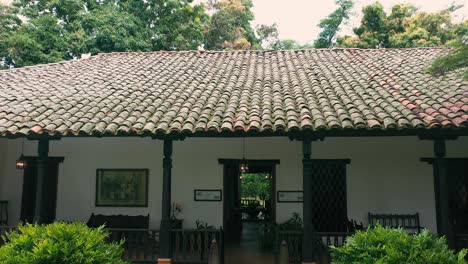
[(308, 236), (283, 253), (441, 187), (213, 257), (165, 251), (41, 167)]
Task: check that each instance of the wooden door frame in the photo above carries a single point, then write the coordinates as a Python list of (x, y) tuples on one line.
[(33, 159), (253, 162)]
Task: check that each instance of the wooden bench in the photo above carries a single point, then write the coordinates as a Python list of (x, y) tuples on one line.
[(409, 222), (119, 221)]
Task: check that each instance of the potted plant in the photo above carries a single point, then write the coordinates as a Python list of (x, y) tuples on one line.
[(175, 222)]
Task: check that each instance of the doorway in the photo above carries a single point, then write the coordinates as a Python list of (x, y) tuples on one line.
[(28, 199), (246, 208)]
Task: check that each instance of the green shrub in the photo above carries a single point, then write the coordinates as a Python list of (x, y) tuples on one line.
[(59, 243), (394, 246)]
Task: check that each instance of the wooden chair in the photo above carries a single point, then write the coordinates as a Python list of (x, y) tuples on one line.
[(409, 222)]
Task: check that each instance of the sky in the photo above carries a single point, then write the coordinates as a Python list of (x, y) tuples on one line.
[(298, 19)]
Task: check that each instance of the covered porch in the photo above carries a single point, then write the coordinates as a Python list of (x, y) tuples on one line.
[(382, 175)]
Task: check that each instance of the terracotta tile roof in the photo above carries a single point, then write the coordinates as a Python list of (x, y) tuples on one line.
[(211, 92)]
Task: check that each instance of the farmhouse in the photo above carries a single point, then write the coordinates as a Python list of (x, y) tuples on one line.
[(341, 132)]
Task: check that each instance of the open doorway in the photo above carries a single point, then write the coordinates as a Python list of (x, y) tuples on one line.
[(248, 202)]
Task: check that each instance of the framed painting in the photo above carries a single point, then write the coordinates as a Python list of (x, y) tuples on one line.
[(290, 197), (208, 195), (122, 187)]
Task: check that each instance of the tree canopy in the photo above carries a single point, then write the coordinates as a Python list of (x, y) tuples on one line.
[(405, 27), (255, 185), (44, 31), (331, 24)]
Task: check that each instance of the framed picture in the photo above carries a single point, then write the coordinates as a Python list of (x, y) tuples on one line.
[(122, 187), (208, 195), (290, 197)]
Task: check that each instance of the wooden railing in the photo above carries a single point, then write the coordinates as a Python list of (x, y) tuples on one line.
[(140, 245), (293, 241), (249, 201), (325, 240), (336, 239), (193, 245)]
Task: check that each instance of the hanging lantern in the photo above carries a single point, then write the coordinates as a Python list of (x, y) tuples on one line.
[(243, 166), (21, 161)]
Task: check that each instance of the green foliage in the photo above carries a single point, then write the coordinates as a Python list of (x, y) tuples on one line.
[(382, 245), (230, 25), (288, 44), (458, 59), (39, 41), (403, 28), (110, 29), (293, 223), (255, 185), (373, 31), (331, 24), (59, 243), (203, 225), (268, 36), (9, 23)]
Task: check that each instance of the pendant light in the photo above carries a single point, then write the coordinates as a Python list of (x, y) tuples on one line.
[(21, 162), (244, 167)]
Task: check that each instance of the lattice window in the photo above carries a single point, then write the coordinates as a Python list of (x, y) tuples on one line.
[(458, 194), (329, 196)]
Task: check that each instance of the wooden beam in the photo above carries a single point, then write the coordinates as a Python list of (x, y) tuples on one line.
[(309, 235), (41, 167), (441, 189), (165, 251)]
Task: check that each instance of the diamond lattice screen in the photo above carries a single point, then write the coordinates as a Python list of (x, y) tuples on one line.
[(329, 196), (458, 194)]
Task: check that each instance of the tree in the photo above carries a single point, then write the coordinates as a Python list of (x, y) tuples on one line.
[(255, 185), (331, 25), (176, 24), (39, 41), (458, 58), (403, 28), (373, 31), (109, 29), (288, 44), (9, 23), (230, 25), (76, 27), (268, 36)]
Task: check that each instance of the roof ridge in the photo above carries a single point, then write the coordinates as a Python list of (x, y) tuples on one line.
[(259, 51), (208, 52), (47, 64)]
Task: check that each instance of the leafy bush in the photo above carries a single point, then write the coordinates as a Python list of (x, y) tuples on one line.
[(395, 246), (59, 243), (293, 223)]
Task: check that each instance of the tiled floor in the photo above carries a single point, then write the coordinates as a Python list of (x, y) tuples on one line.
[(247, 251)]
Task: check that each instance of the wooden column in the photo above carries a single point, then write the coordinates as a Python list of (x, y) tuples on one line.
[(41, 167), (309, 235), (165, 249), (441, 187)]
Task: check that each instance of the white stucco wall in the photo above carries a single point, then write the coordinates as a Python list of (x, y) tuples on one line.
[(385, 174)]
